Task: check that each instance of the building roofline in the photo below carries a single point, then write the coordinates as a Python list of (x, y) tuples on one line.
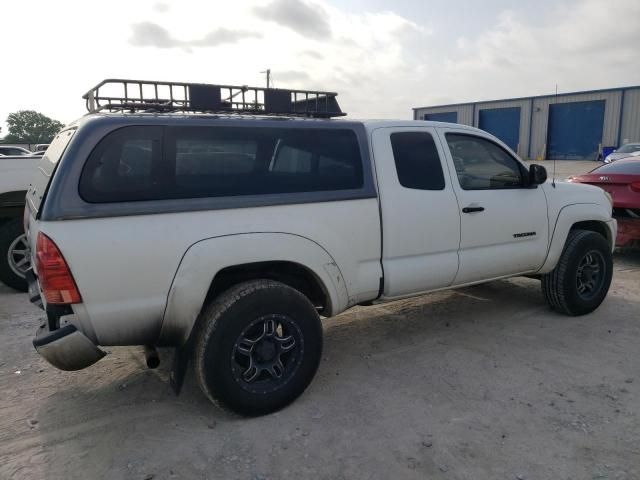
[(584, 92)]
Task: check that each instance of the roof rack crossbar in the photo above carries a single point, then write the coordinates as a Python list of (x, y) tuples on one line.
[(120, 95)]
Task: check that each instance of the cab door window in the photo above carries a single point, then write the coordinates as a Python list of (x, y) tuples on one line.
[(482, 164), (417, 162)]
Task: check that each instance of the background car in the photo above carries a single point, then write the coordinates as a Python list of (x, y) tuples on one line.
[(626, 150), (9, 150), (621, 179)]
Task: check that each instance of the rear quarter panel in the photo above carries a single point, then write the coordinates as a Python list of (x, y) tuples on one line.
[(195, 273), (125, 266)]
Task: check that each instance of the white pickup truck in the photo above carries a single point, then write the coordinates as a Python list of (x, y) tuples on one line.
[(16, 172), (229, 237)]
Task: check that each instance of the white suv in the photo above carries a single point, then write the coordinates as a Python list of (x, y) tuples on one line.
[(228, 237)]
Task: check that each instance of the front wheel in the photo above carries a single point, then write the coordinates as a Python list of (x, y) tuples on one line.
[(581, 279), (14, 255), (258, 347)]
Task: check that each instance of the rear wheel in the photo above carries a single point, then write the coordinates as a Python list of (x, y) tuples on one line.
[(582, 277), (14, 255), (258, 347)]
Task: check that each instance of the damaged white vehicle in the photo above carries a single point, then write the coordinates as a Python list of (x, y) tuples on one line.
[(230, 233)]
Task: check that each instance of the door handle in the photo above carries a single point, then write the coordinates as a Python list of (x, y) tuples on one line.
[(472, 209)]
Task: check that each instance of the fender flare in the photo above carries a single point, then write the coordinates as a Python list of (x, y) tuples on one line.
[(203, 260), (569, 216)]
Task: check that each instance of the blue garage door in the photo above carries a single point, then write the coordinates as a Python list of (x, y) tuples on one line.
[(504, 123), (451, 117), (575, 130)]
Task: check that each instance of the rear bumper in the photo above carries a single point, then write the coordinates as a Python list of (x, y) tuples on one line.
[(628, 232), (65, 347)]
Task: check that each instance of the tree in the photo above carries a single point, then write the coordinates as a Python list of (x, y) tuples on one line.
[(28, 126)]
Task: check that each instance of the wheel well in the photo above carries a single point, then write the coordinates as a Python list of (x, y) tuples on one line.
[(593, 226), (6, 216), (9, 213), (289, 273)]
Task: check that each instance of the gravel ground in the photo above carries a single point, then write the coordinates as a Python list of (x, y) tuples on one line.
[(479, 383)]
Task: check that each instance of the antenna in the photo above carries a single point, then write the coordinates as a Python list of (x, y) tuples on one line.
[(553, 181)]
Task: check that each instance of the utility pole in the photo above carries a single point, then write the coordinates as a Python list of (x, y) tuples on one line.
[(268, 72)]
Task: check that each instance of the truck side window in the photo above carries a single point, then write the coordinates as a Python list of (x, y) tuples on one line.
[(291, 160), (201, 155), (124, 166), (417, 161), (483, 165), (159, 163)]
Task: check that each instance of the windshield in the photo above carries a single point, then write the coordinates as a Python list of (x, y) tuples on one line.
[(629, 148), (620, 167)]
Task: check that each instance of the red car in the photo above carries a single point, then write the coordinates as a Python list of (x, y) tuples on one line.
[(622, 180)]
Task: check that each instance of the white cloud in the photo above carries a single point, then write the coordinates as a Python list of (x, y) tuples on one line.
[(149, 34), (161, 7), (301, 16), (380, 62), (583, 45)]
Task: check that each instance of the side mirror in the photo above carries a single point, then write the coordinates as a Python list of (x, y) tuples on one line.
[(537, 175)]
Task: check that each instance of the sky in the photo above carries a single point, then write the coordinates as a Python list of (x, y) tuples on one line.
[(382, 57)]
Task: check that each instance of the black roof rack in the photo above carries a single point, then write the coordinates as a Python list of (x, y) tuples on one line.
[(121, 95)]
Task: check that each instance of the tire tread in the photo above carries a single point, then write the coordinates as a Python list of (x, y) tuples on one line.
[(208, 322), (8, 231), (553, 286)]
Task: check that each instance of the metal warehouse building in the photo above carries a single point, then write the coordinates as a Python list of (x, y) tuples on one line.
[(569, 126)]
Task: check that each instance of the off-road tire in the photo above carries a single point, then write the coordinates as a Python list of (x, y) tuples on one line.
[(9, 232), (560, 286), (221, 324)]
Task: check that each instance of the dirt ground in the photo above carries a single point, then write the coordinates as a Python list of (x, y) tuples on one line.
[(480, 383)]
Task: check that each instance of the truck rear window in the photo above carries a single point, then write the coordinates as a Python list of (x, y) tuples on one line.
[(156, 163), (58, 146), (47, 167)]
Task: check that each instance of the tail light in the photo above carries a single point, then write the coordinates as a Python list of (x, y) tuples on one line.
[(56, 281), (635, 186)]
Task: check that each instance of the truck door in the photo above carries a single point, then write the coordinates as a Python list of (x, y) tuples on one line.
[(420, 214), (504, 222)]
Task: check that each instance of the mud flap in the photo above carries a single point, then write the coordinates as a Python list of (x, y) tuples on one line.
[(181, 358)]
